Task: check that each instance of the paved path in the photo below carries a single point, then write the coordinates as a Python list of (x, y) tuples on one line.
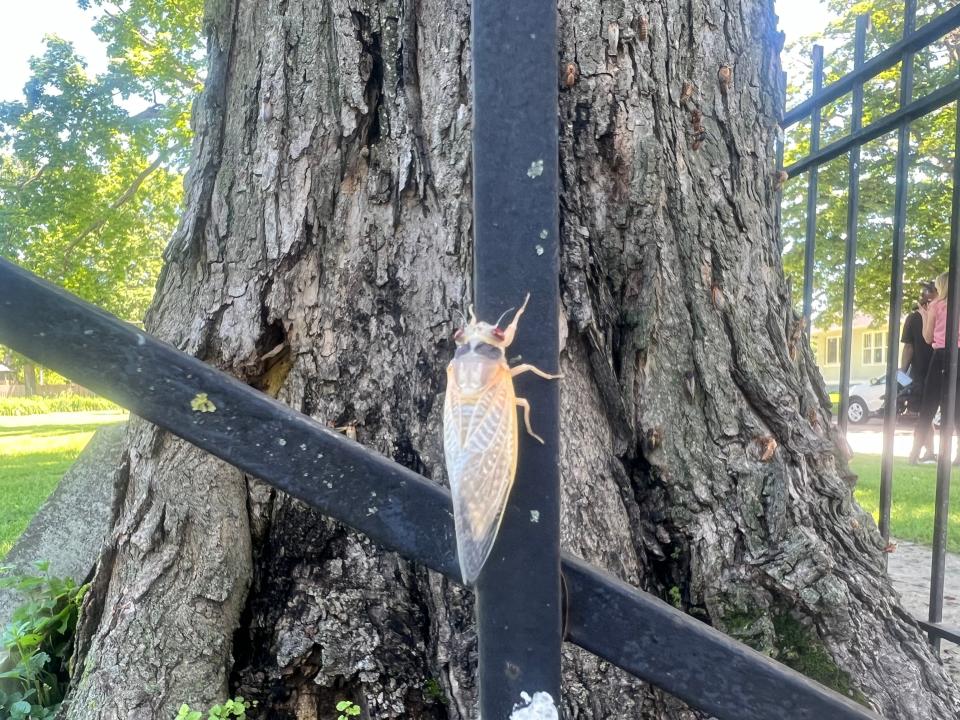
[(868, 438), (909, 569)]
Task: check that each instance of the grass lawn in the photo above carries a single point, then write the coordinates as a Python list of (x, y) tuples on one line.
[(35, 452), (914, 494)]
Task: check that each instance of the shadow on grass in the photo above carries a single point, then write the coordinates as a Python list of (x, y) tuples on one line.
[(54, 430)]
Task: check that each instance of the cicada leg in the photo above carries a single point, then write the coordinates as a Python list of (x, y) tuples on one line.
[(526, 367), (522, 403)]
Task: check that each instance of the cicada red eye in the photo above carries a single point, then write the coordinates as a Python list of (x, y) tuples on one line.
[(498, 333), (458, 335)]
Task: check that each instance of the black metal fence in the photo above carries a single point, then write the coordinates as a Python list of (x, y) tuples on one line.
[(902, 52), (516, 196)]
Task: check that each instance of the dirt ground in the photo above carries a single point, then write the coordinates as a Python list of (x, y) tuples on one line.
[(909, 569)]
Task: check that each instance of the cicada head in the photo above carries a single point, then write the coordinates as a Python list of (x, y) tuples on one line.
[(477, 331)]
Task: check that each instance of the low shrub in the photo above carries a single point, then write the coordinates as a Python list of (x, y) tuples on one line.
[(236, 708), (61, 403), (38, 641)]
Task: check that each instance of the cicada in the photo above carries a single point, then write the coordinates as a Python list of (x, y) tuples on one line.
[(480, 434)]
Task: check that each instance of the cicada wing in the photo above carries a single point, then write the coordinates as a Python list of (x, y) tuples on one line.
[(480, 444)]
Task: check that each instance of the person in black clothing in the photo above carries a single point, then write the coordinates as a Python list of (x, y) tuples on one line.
[(915, 358)]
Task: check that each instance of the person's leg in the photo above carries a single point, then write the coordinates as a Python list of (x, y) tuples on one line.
[(956, 413), (916, 403), (923, 432)]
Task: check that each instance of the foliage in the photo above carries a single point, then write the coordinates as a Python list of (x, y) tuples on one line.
[(61, 403), (236, 708), (930, 176), (38, 639), (347, 709), (91, 166)]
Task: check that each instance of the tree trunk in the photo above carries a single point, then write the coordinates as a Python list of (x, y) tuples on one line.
[(324, 250), (30, 378)]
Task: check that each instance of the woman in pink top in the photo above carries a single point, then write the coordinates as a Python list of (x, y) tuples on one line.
[(935, 386)]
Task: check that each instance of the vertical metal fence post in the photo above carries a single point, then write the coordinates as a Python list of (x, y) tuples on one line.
[(853, 212), (516, 250), (896, 279), (811, 242), (942, 506)]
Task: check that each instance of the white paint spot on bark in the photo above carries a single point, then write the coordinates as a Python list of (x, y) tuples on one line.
[(535, 516), (539, 249), (539, 707), (281, 442), (544, 234), (536, 169)]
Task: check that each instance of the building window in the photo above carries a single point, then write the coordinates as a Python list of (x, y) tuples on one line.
[(833, 351), (874, 348)]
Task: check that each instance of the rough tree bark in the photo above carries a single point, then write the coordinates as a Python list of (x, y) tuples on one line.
[(324, 247)]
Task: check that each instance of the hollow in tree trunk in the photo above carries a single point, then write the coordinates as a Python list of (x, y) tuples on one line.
[(324, 249)]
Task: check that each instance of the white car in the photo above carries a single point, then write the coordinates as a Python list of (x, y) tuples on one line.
[(867, 400)]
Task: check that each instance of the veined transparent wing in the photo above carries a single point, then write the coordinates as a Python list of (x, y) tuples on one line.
[(480, 444)]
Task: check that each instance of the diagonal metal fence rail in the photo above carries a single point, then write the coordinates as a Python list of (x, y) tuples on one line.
[(903, 51)]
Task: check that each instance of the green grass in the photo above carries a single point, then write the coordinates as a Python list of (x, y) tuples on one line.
[(914, 495), (35, 452)]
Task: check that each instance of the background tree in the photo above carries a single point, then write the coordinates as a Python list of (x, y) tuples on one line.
[(931, 166), (324, 247), (91, 166)]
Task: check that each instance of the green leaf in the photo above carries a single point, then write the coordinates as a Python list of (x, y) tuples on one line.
[(38, 661)]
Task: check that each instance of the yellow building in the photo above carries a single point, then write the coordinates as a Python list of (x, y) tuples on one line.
[(868, 352)]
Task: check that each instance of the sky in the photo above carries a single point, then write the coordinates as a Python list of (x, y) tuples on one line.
[(798, 17), (26, 22)]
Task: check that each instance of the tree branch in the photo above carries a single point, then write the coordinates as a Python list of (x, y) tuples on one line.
[(150, 113), (121, 199)]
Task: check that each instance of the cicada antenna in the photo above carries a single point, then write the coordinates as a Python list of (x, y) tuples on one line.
[(497, 323)]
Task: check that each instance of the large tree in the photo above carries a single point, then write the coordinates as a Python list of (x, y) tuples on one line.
[(324, 249)]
